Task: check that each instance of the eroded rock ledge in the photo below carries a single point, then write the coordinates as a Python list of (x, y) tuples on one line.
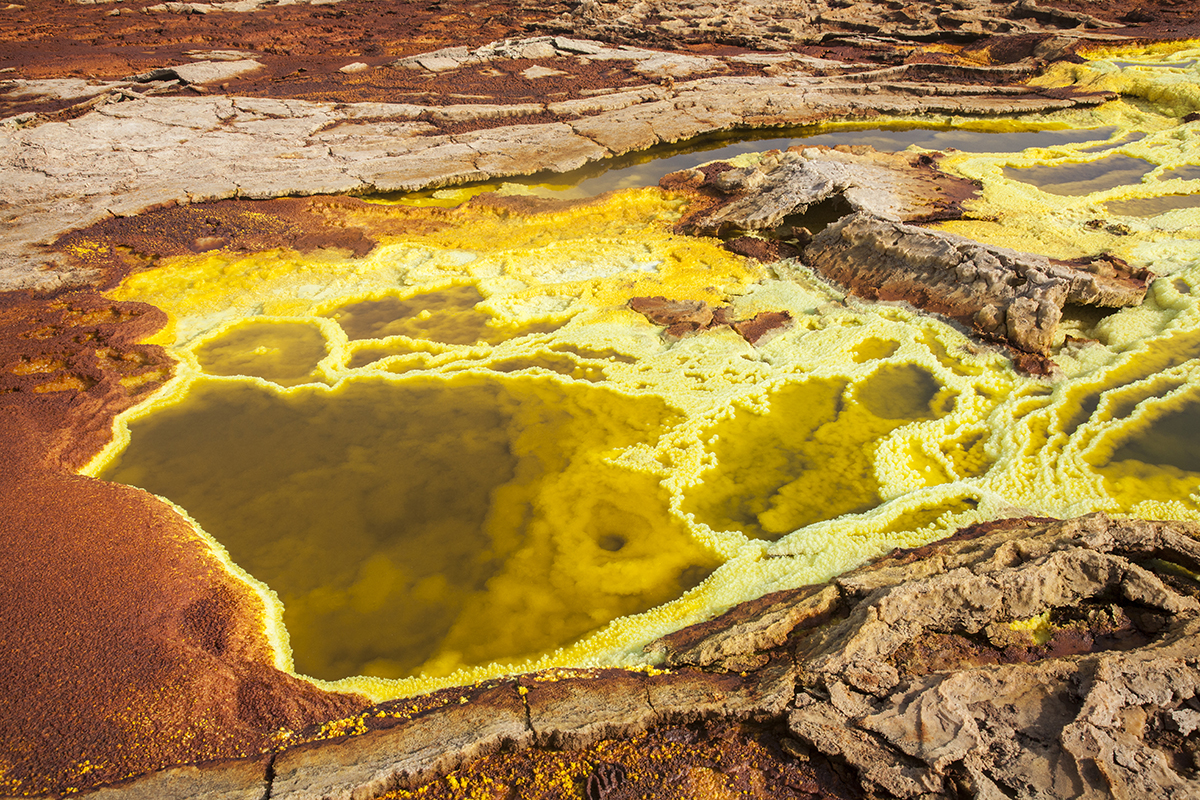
[(1001, 293), (1021, 658)]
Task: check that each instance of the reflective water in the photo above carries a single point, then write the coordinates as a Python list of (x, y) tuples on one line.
[(1085, 178), (645, 168), (425, 524)]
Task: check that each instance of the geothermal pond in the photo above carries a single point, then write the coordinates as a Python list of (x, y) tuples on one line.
[(462, 453)]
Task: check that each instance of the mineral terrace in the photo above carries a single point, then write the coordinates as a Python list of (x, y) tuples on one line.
[(599, 399)]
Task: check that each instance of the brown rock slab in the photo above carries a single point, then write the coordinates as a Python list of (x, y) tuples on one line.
[(751, 627), (1003, 294), (574, 708), (685, 317), (687, 695), (696, 314), (761, 325)]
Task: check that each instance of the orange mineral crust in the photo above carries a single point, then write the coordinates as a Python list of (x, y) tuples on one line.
[(69, 364)]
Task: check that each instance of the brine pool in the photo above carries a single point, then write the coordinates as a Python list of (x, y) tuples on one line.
[(462, 455)]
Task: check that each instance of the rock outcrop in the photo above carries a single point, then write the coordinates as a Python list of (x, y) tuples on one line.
[(774, 26), (904, 187), (128, 153), (1027, 658), (1003, 294)]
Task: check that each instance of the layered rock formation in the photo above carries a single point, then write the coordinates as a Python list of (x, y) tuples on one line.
[(1024, 658), (774, 26), (128, 155), (904, 187), (1005, 295)]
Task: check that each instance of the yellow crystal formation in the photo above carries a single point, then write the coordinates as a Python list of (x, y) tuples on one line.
[(464, 449)]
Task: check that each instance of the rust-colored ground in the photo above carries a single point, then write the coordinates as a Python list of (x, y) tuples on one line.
[(121, 245), (302, 47)]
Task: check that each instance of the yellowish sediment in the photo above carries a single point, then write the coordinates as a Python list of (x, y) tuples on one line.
[(462, 454)]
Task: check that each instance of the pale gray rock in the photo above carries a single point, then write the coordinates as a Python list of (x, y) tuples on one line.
[(56, 88), (199, 72), (130, 153), (673, 65), (605, 102), (482, 111), (538, 71)]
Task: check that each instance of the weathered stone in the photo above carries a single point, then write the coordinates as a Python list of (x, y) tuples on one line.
[(227, 780), (426, 745), (205, 148), (894, 186), (1007, 295), (775, 26), (832, 733), (213, 71), (753, 626), (573, 708), (688, 695)]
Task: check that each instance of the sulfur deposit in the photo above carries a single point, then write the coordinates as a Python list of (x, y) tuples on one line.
[(312, 477)]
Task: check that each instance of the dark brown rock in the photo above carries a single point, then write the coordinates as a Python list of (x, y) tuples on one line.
[(1003, 294), (762, 324)]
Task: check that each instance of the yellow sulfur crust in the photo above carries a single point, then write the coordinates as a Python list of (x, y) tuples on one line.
[(560, 484)]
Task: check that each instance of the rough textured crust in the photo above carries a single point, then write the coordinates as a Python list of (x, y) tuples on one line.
[(1065, 663), (1003, 294)]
